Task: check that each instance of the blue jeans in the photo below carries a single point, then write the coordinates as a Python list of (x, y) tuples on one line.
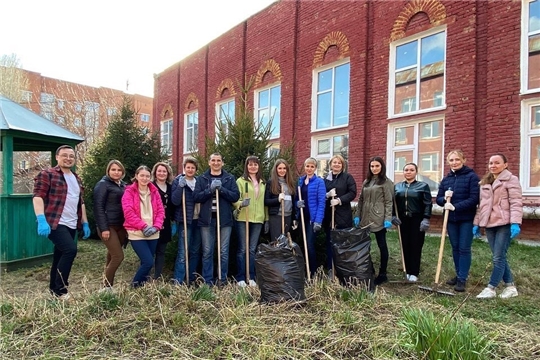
[(65, 250), (145, 250), (499, 241), (194, 250), (254, 233), (208, 237), (461, 237)]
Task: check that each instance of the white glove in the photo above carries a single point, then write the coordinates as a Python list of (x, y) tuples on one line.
[(294, 225), (331, 193), (281, 197), (448, 194), (335, 202), (449, 206)]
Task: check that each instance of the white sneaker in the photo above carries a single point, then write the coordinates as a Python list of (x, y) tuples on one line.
[(252, 283), (509, 292), (242, 283), (487, 293), (106, 289), (412, 278), (65, 297), (408, 276)]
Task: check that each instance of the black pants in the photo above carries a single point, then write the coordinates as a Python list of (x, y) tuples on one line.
[(380, 236), (65, 250), (275, 226), (160, 259), (413, 242)]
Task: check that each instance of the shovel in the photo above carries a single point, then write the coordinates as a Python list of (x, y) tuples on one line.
[(304, 234), (247, 234), (218, 223), (185, 235)]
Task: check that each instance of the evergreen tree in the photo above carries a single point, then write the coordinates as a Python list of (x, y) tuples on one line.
[(123, 140)]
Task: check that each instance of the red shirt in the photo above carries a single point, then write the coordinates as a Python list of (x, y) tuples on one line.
[(51, 186)]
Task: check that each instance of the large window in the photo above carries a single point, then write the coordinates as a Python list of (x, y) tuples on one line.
[(268, 108), (47, 103), (530, 147), (331, 96), (167, 136), (191, 131), (530, 48), (420, 142), (323, 148), (225, 111), (417, 73)]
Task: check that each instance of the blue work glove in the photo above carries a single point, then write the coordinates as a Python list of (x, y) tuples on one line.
[(266, 227), (514, 230), (424, 225), (396, 221), (86, 230), (43, 229), (245, 202), (174, 228), (316, 227), (387, 224), (476, 231), (149, 231), (356, 221), (301, 204), (215, 185), (182, 181)]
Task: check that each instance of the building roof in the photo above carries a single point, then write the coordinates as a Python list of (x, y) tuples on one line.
[(16, 117)]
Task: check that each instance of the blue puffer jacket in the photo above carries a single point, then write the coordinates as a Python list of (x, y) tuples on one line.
[(464, 184), (316, 198), (176, 199)]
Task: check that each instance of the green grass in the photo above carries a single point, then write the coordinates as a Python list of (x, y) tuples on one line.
[(161, 320)]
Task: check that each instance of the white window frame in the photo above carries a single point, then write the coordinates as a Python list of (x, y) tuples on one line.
[(319, 157), (257, 108), (169, 148), (194, 139), (391, 149), (26, 95), (145, 117), (392, 73), (526, 134), (524, 59), (218, 112), (314, 93)]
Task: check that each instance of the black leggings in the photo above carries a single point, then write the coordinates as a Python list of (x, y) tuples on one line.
[(380, 236)]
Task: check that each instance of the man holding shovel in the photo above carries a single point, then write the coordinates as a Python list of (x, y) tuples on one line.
[(216, 191)]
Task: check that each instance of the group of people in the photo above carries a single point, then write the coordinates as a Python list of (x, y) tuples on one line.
[(204, 208)]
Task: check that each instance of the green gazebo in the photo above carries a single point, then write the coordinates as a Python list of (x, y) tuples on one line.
[(23, 130)]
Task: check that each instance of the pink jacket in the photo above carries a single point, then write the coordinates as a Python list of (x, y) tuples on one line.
[(500, 202), (131, 205)]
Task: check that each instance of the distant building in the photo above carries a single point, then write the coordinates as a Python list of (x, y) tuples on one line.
[(406, 80)]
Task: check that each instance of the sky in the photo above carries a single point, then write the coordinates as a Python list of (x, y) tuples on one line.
[(108, 43)]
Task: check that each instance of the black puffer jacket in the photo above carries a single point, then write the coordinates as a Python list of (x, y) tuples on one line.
[(464, 184), (345, 186), (108, 203)]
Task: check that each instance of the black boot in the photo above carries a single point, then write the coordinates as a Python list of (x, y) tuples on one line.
[(381, 278), (452, 281), (460, 286)]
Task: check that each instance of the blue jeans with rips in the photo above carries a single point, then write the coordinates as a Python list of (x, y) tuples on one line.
[(145, 250), (65, 250), (254, 233), (499, 241), (194, 252), (461, 237), (208, 237)]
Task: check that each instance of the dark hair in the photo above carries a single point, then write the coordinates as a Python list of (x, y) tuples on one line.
[(274, 178), (255, 159), (411, 163), (215, 154), (167, 167), (381, 178), (191, 160), (64, 147), (489, 178), (139, 169)]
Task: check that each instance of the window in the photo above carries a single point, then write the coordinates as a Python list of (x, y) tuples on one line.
[(420, 142), (273, 151), (60, 104), (331, 97), (167, 136), (60, 120), (145, 117), (268, 108), (530, 147), (47, 105), (530, 46), (323, 148), (225, 111), (26, 96), (77, 122), (78, 107), (191, 124), (111, 111), (91, 114), (417, 73)]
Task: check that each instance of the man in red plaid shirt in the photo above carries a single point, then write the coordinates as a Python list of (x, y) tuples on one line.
[(59, 207)]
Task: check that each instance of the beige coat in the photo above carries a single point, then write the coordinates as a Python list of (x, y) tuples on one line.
[(500, 202)]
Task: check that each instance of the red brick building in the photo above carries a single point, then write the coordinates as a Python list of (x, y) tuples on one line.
[(406, 80)]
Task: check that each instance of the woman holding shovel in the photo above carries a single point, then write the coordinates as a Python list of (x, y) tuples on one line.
[(413, 204), (460, 185), (251, 216), (280, 191)]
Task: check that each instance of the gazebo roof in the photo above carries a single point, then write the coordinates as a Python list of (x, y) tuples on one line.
[(31, 131)]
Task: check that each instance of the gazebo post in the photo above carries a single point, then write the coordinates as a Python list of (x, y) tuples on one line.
[(7, 162)]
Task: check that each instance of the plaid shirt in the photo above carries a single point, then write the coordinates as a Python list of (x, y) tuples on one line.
[(51, 186)]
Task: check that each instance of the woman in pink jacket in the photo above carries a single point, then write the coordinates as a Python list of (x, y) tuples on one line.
[(144, 215), (500, 212)]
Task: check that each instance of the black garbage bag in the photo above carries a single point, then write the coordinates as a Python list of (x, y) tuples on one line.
[(352, 257), (280, 269)]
